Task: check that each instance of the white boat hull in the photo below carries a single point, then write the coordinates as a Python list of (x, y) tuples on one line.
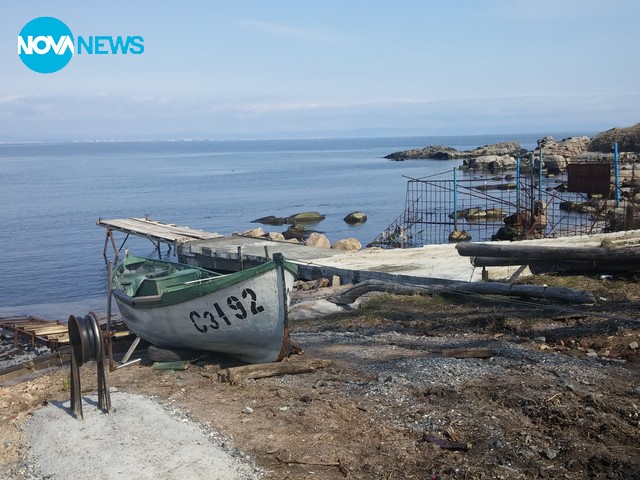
[(246, 320)]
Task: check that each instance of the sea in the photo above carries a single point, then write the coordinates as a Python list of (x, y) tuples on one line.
[(52, 194)]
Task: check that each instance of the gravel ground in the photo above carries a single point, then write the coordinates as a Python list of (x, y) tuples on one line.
[(559, 397), (139, 439)]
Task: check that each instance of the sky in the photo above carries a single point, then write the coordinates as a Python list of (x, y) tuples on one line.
[(313, 68)]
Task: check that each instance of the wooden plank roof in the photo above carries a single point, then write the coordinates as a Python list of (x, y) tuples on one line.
[(153, 229)]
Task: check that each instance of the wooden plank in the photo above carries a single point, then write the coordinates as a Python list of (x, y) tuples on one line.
[(156, 230)]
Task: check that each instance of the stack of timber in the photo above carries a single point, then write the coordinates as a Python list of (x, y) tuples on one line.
[(52, 333), (606, 256)]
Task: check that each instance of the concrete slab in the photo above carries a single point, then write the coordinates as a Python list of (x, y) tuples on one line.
[(426, 265)]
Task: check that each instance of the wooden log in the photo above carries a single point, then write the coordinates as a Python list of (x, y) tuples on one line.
[(516, 250), (533, 291), (480, 288), (263, 370)]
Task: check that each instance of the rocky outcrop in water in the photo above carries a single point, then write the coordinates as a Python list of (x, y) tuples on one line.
[(304, 217), (355, 218), (449, 153)]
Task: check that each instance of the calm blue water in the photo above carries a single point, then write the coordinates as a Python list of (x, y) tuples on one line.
[(52, 195)]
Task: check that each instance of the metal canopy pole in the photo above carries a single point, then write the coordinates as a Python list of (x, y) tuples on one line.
[(617, 174)]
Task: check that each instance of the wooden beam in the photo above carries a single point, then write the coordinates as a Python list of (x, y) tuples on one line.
[(514, 250), (263, 370)]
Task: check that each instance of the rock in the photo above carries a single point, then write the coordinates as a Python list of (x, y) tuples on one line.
[(313, 309), (567, 147), (633, 345), (459, 236), (491, 162), (592, 353), (430, 151), (628, 140), (297, 232), (475, 214), (348, 244), (275, 236), (318, 240), (247, 410), (254, 233), (355, 218), (270, 220), (448, 153), (305, 217), (495, 213), (549, 453), (554, 163), (540, 339)]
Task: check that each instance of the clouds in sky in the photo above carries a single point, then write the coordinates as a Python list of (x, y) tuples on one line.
[(255, 69)]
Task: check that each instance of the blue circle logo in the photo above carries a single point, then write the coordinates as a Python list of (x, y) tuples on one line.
[(45, 45)]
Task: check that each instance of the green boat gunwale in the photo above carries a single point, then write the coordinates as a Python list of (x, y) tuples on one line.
[(185, 291)]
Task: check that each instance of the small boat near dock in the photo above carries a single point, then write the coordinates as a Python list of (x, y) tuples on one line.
[(241, 314)]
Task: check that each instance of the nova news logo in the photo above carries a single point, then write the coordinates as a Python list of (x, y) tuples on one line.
[(46, 45)]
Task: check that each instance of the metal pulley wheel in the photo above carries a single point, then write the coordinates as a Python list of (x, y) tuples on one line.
[(85, 338)]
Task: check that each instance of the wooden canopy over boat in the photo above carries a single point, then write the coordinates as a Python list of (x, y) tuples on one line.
[(157, 232)]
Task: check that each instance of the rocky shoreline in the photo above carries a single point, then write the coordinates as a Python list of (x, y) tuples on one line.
[(556, 154)]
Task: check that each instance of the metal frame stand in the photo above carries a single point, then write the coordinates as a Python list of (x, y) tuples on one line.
[(86, 345)]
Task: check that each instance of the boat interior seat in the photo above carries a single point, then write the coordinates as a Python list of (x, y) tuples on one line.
[(158, 285)]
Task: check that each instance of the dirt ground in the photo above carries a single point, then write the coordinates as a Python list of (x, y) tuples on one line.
[(558, 397)]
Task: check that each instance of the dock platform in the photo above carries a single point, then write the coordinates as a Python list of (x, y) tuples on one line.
[(431, 264), (426, 265)]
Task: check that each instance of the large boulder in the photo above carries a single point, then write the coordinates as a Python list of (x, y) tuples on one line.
[(554, 163), (318, 240), (275, 236), (567, 147), (254, 233), (355, 218), (491, 162), (348, 244)]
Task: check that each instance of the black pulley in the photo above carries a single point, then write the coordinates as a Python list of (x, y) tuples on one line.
[(84, 336)]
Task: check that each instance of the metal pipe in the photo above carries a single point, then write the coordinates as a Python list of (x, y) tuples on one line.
[(617, 174), (109, 337), (518, 185), (540, 175), (455, 201)]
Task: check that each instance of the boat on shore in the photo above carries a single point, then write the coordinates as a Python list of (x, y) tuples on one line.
[(241, 314)]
